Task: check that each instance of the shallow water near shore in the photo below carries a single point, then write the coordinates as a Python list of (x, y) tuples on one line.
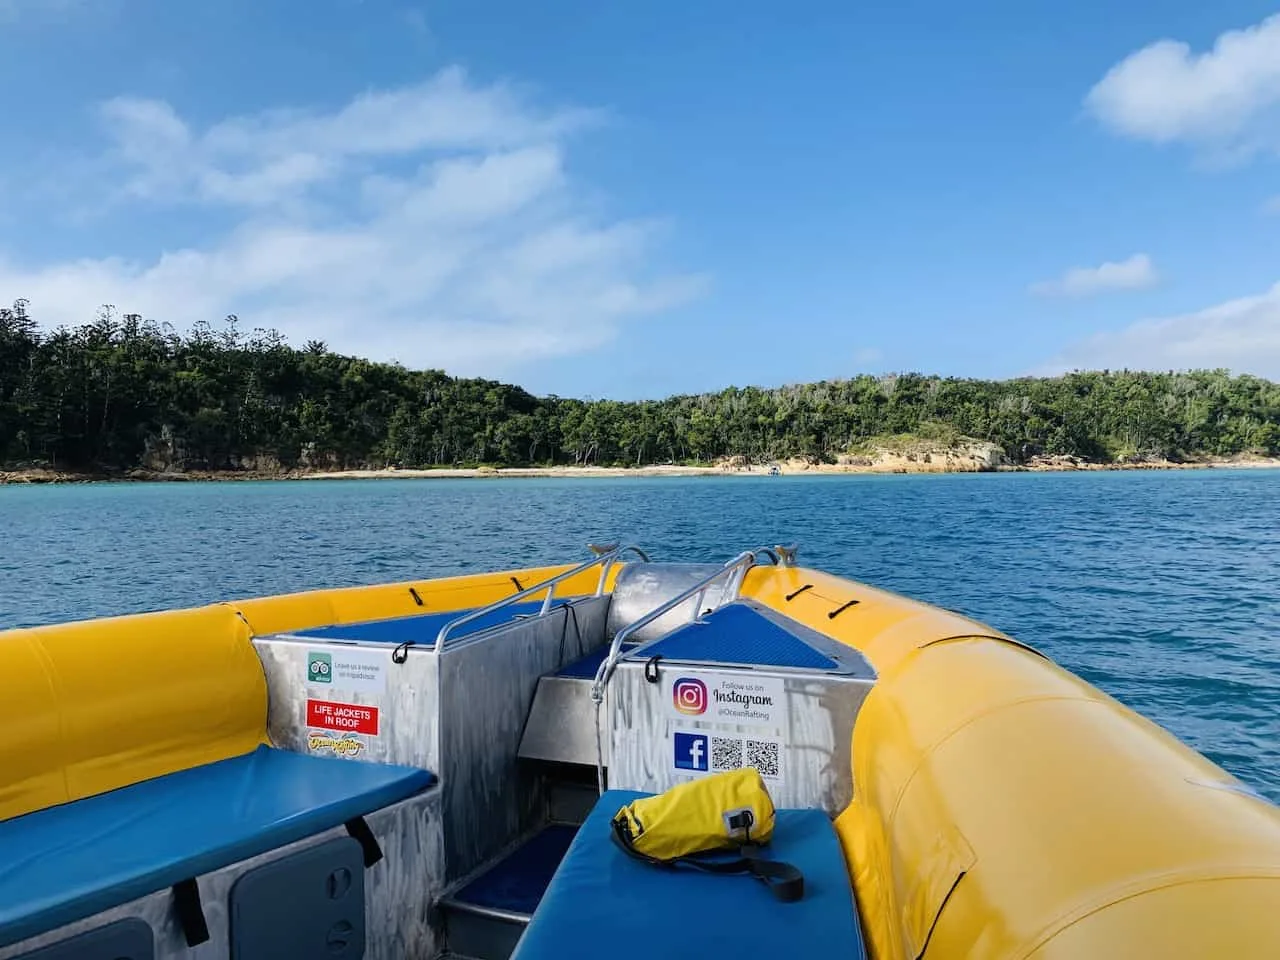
[(1161, 588)]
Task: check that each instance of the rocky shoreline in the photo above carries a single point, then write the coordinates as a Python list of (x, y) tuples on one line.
[(970, 458)]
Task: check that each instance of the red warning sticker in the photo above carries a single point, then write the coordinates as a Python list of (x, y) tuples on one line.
[(348, 717)]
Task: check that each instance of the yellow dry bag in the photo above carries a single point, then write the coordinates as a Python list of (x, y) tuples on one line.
[(725, 811)]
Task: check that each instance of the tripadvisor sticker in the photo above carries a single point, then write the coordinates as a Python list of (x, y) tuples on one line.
[(358, 670), (319, 668)]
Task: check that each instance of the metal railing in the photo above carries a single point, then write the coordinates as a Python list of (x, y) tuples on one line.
[(771, 551), (606, 557), (610, 558), (783, 554), (736, 570)]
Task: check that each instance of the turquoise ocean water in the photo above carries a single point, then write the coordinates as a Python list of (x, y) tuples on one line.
[(1163, 589)]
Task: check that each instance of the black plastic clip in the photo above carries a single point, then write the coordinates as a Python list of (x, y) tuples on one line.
[(401, 653), (651, 668)]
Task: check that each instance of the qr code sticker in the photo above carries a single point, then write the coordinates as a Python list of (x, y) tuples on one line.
[(726, 753), (763, 755)]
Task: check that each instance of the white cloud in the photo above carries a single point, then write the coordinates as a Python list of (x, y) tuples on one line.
[(1242, 335), (1227, 98), (435, 224), (257, 160), (1136, 273)]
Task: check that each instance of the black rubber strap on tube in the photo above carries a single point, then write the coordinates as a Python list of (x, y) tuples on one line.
[(359, 831), (186, 903), (416, 599), (841, 609), (791, 596)]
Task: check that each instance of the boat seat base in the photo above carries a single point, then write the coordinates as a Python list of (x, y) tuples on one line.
[(75, 860), (603, 903), (307, 904), (130, 939)]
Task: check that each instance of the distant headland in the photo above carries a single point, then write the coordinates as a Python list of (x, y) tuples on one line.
[(123, 398)]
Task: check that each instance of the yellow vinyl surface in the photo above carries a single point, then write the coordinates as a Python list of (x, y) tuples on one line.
[(1004, 808), (106, 703), (96, 705)]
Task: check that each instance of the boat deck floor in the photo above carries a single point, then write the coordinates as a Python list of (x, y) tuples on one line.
[(516, 883)]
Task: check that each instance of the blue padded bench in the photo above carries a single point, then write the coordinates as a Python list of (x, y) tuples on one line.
[(72, 861), (421, 630), (602, 903)]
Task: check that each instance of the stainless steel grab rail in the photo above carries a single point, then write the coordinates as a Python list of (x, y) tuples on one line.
[(612, 558), (735, 569), (782, 554), (772, 552), (607, 559)]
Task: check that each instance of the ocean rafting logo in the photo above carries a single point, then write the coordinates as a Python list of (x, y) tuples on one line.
[(691, 751), (319, 668), (689, 696), (342, 746)]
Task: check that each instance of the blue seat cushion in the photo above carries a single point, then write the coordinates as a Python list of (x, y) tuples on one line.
[(603, 903), (422, 629), (71, 861)]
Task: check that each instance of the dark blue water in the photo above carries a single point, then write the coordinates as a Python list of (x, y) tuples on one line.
[(1161, 588)]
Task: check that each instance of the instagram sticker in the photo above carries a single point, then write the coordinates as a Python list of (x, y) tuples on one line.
[(689, 696)]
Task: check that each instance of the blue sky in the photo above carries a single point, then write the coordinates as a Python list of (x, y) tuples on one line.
[(639, 199)]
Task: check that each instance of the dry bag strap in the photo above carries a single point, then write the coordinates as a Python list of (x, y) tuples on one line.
[(783, 880), (786, 881)]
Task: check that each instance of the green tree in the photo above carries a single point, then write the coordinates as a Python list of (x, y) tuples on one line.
[(121, 392)]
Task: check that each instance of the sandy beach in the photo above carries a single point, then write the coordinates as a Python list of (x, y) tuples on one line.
[(933, 461), (789, 468)]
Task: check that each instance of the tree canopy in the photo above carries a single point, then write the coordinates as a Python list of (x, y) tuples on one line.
[(125, 392)]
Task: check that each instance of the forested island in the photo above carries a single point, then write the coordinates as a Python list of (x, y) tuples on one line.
[(124, 395)]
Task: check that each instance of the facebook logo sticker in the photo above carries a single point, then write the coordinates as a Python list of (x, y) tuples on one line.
[(691, 752)]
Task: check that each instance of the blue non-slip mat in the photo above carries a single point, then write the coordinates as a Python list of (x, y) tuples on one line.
[(517, 882), (585, 669), (422, 629), (739, 633)]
